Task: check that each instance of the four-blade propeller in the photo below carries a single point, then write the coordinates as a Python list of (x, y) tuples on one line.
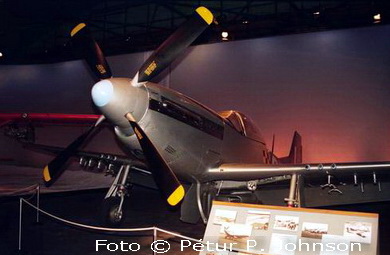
[(163, 175)]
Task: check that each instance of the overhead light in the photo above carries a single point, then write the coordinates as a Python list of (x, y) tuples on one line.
[(245, 22), (1, 54), (377, 18), (225, 35), (316, 13)]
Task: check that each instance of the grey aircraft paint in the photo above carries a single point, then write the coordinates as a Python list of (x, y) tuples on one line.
[(172, 121)]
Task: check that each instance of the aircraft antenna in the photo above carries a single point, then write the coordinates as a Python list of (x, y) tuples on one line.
[(272, 148)]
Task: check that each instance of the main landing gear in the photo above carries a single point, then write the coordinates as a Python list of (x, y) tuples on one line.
[(112, 213)]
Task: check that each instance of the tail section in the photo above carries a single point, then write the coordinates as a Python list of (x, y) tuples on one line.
[(295, 155)]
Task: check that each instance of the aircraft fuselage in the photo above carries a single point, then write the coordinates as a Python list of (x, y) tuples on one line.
[(189, 136)]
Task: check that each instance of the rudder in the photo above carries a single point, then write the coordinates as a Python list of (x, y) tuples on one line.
[(295, 155)]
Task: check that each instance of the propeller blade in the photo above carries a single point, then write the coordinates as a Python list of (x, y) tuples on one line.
[(163, 175), (174, 45), (57, 166), (81, 37)]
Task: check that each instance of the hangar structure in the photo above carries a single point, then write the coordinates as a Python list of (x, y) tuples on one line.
[(37, 32), (293, 56), (319, 67)]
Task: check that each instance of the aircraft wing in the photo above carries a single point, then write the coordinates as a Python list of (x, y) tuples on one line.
[(245, 172), (110, 163), (105, 160), (8, 118)]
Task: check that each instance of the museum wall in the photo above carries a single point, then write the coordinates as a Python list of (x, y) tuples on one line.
[(333, 87)]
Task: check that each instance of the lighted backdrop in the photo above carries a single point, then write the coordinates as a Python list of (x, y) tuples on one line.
[(333, 87)]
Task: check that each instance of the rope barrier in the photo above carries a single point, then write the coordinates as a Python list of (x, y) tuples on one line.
[(90, 227), (21, 191)]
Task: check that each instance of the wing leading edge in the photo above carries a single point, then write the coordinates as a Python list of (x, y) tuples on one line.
[(107, 159), (6, 118), (245, 172)]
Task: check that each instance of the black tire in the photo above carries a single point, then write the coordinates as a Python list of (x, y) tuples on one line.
[(109, 215)]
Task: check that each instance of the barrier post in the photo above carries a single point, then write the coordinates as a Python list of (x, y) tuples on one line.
[(20, 224), (38, 202), (154, 238)]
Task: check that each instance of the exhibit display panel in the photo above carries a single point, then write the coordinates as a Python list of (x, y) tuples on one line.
[(236, 228)]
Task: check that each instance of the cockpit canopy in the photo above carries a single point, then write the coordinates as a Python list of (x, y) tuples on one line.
[(243, 124)]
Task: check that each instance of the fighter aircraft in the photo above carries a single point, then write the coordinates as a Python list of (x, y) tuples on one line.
[(179, 141)]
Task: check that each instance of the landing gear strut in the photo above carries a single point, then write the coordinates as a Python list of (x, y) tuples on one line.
[(112, 213)]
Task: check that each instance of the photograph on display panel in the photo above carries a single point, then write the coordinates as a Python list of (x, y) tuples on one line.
[(224, 216), (314, 230), (259, 220), (237, 234), (360, 232), (289, 223)]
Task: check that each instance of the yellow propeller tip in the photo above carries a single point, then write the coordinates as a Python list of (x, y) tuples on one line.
[(130, 117), (176, 196), (205, 14), (77, 28), (46, 174)]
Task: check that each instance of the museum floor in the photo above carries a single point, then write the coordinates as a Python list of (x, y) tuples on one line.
[(146, 209)]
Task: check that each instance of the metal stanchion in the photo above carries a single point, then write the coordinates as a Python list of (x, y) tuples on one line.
[(293, 187), (154, 238), (20, 224), (38, 197)]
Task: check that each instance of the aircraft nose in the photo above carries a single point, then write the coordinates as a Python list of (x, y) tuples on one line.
[(115, 97), (102, 93)]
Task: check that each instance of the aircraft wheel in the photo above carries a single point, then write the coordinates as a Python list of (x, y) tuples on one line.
[(110, 216)]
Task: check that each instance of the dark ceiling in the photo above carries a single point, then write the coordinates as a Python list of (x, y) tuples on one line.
[(38, 31)]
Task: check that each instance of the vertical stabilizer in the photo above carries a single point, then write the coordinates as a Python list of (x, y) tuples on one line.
[(295, 155)]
